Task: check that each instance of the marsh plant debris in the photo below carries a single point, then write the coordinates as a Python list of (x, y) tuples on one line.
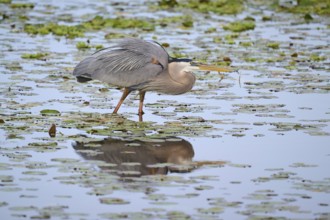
[(251, 144)]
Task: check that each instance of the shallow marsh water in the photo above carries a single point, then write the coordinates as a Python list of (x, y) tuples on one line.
[(248, 144)]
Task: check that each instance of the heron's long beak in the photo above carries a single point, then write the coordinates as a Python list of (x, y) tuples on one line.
[(206, 67), (214, 68)]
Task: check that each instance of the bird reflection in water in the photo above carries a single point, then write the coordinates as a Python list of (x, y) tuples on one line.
[(138, 158)]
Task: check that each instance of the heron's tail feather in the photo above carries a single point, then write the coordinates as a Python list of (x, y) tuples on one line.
[(83, 79), (82, 71)]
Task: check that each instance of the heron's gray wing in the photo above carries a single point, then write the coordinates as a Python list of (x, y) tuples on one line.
[(130, 63)]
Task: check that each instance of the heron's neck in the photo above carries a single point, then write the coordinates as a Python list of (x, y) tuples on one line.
[(182, 80)]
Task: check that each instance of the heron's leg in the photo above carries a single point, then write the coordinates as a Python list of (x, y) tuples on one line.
[(142, 95), (126, 92)]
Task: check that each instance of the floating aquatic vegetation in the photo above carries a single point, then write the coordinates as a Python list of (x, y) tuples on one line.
[(248, 44), (96, 23), (13, 66), (113, 201), (266, 207), (165, 4), (273, 45), (218, 7), (314, 186), (30, 179), (37, 165), (240, 26), (239, 165), (5, 1), (21, 5), (2, 204), (255, 108), (281, 175), (266, 18), (10, 189), (177, 215), (127, 215), (17, 156), (203, 187), (37, 56), (127, 128), (212, 210), (54, 28), (82, 45), (300, 165), (99, 22), (37, 173), (210, 30), (288, 126), (42, 146), (6, 178), (307, 6), (115, 35), (185, 20), (23, 208), (317, 58), (49, 112)]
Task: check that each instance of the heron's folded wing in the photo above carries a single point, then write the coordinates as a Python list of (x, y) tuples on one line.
[(125, 65)]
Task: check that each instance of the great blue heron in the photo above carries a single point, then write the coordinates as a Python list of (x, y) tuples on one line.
[(135, 64)]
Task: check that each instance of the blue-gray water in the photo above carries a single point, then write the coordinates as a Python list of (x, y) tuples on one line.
[(260, 136)]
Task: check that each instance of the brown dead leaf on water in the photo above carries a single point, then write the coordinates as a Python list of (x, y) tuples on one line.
[(52, 131)]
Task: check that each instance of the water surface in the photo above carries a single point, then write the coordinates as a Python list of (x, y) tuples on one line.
[(248, 144)]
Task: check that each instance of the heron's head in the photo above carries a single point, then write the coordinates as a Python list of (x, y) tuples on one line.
[(183, 64), (180, 64)]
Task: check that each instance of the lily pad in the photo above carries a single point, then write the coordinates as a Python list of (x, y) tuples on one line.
[(50, 112), (212, 210), (37, 173), (113, 201)]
